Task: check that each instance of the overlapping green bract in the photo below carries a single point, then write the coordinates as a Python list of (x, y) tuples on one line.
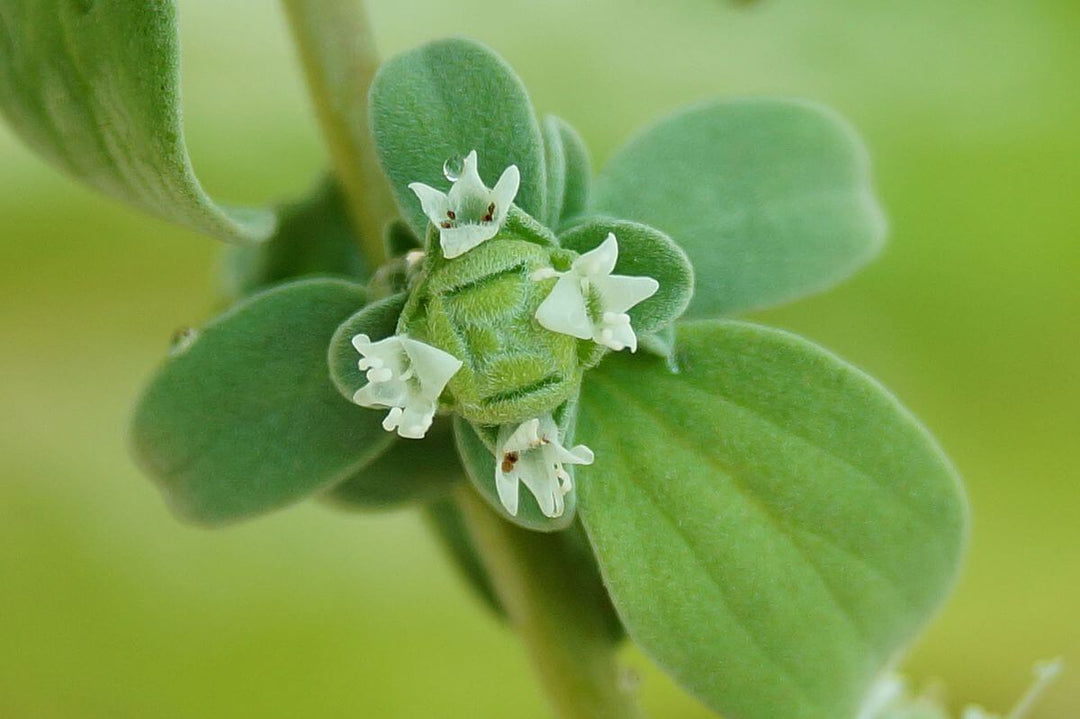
[(95, 88), (771, 199), (772, 525)]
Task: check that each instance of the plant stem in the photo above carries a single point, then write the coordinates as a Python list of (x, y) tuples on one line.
[(567, 639), (337, 50)]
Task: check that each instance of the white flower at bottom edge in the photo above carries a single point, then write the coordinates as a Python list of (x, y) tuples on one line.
[(470, 213), (565, 310), (406, 377), (532, 454)]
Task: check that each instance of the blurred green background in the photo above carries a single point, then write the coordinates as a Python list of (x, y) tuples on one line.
[(111, 608)]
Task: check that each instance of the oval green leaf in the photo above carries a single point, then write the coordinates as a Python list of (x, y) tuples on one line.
[(770, 199), (643, 252), (243, 418), (94, 87), (440, 102), (772, 525)]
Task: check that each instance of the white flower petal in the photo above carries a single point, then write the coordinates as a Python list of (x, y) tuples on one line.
[(525, 437), (564, 309), (433, 367), (505, 191), (456, 241), (468, 186), (600, 260), (579, 454), (381, 395), (539, 477), (416, 420), (435, 204), (619, 293), (506, 483)]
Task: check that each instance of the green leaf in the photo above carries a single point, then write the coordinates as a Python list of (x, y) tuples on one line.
[(94, 87), (770, 199), (242, 418), (441, 101), (476, 447), (446, 521), (643, 252), (569, 171), (378, 321), (314, 238), (412, 470), (772, 525)]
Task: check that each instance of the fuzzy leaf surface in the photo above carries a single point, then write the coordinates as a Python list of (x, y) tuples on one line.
[(770, 199), (440, 102), (771, 524), (243, 418), (94, 87)]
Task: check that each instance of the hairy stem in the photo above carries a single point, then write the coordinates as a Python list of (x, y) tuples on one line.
[(567, 639), (337, 50)]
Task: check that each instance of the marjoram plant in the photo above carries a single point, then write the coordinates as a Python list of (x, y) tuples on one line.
[(465, 318)]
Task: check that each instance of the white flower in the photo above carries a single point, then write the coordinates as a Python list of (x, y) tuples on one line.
[(470, 213), (405, 376), (566, 309), (532, 454)]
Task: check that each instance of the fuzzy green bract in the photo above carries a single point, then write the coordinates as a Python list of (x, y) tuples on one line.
[(242, 418), (772, 525), (770, 199), (94, 87), (440, 102), (569, 171)]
